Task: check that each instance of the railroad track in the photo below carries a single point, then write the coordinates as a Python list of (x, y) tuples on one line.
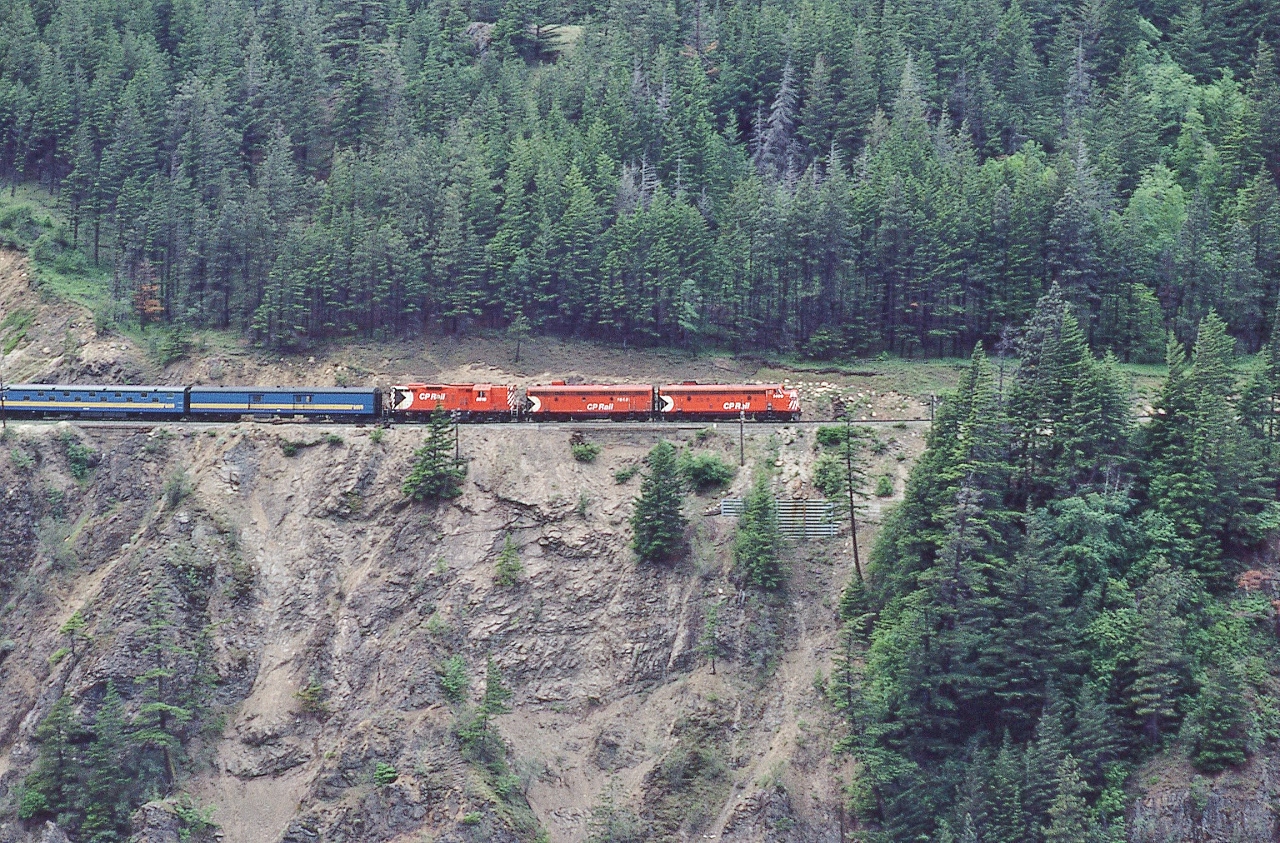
[(602, 426)]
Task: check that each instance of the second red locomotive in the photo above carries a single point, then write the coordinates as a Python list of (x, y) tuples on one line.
[(589, 401)]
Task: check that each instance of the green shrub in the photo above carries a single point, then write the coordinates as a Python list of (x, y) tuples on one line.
[(22, 461), (31, 803), (18, 218), (177, 487), (453, 678), (829, 476), (242, 577), (376, 435), (831, 437), (291, 447), (332, 439), (884, 486), (585, 451), (80, 457), (625, 473), (704, 471), (195, 819), (169, 345), (157, 441), (311, 697), (472, 818), (384, 773)]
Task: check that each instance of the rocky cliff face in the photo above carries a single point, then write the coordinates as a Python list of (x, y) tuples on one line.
[(1238, 805), (315, 609)]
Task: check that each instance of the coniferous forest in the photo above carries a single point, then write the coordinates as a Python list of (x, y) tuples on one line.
[(830, 177), (1062, 595)]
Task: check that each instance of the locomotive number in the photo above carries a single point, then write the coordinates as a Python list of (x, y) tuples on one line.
[(602, 407)]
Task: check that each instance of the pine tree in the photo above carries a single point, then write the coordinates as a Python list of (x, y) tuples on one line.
[(1032, 643), (1007, 821), (709, 640), (1069, 814), (508, 567), (480, 742), (1219, 724), (1160, 672), (496, 695), (776, 150), (436, 473), (166, 705), (55, 784), (818, 114), (658, 522), (111, 772), (757, 546), (1044, 757), (74, 629), (1096, 738)]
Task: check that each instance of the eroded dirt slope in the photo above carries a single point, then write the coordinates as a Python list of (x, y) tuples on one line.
[(313, 570)]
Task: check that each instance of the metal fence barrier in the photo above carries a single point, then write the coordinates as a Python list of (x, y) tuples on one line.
[(807, 519)]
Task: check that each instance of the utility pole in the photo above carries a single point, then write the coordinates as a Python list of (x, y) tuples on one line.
[(853, 515), (742, 429), (457, 438)]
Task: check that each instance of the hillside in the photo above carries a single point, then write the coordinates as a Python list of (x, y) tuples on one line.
[(278, 572)]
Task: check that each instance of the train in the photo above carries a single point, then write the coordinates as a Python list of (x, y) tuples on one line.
[(410, 402)]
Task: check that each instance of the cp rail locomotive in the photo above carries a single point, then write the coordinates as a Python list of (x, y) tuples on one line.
[(412, 402)]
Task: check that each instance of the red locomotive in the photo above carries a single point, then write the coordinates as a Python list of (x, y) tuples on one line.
[(588, 401), (472, 401), (693, 400)]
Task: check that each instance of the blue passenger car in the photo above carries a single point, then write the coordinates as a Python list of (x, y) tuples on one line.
[(40, 400), (308, 401)]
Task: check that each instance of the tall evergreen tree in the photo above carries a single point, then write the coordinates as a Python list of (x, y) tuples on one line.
[(658, 521), (756, 548), (436, 474)]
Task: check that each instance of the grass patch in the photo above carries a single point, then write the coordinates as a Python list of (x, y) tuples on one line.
[(14, 328), (585, 451), (31, 221)]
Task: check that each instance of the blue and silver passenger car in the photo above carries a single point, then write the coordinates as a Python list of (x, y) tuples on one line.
[(307, 401), (40, 400)]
